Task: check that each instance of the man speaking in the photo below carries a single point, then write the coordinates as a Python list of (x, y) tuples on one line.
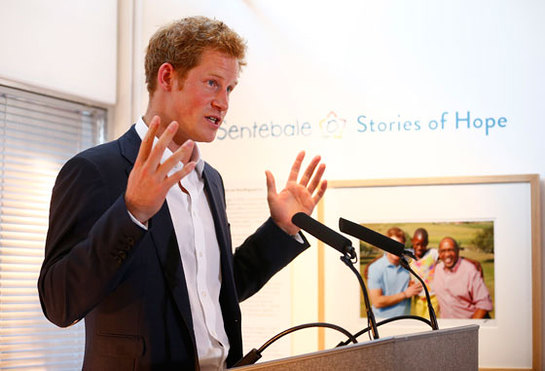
[(138, 242)]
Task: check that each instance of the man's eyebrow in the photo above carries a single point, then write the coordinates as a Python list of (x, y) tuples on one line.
[(221, 77)]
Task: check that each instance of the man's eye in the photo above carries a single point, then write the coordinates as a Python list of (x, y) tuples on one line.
[(211, 83)]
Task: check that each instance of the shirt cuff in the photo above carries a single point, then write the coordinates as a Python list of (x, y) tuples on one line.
[(137, 222), (297, 237)]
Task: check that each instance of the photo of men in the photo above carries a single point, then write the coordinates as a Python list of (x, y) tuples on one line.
[(455, 260)]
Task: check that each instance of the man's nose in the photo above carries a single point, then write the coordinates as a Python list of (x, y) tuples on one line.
[(221, 101)]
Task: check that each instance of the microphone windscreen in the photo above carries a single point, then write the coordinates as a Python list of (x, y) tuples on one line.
[(322, 232), (372, 237)]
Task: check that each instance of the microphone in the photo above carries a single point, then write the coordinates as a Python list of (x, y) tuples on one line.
[(374, 238), (324, 233), (344, 246)]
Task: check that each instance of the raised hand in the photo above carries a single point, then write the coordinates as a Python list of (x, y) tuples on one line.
[(296, 197), (148, 182)]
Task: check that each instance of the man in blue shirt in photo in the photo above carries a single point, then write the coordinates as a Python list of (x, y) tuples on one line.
[(388, 283)]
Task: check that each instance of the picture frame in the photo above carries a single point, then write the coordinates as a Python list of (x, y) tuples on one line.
[(511, 201)]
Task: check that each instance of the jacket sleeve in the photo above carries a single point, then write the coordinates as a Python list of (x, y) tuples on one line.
[(88, 245), (262, 255)]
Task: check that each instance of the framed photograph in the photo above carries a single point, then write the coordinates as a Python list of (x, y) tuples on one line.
[(496, 223), (475, 242)]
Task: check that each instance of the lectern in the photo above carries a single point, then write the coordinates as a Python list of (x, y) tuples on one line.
[(446, 349)]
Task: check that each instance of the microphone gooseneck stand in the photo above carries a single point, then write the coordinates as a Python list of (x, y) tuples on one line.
[(344, 246), (432, 322), (371, 322), (383, 322), (255, 354), (433, 319)]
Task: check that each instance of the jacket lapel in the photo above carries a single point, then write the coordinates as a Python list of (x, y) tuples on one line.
[(228, 295), (163, 237), (216, 199), (129, 144), (166, 246)]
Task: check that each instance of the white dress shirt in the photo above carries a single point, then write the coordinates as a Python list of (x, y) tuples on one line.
[(200, 255)]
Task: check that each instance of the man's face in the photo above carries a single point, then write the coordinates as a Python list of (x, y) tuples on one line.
[(200, 102), (448, 253), (394, 259), (420, 245)]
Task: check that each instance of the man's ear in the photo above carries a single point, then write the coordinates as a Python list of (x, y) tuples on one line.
[(165, 77)]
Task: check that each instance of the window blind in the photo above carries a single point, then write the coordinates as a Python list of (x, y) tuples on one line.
[(37, 135)]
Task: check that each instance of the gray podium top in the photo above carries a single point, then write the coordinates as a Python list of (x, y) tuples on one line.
[(453, 348)]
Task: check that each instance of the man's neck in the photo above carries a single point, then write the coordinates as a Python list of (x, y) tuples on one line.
[(172, 146), (454, 265)]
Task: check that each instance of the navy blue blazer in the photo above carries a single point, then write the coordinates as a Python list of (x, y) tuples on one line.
[(129, 283)]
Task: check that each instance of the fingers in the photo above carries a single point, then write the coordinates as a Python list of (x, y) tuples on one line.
[(271, 184), (180, 174), (316, 179), (147, 142), (312, 175), (158, 149), (309, 171), (294, 172), (150, 154), (182, 154), (321, 190)]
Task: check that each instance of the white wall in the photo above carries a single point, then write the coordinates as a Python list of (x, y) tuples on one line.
[(64, 46)]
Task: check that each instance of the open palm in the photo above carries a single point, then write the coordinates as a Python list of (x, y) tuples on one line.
[(296, 197)]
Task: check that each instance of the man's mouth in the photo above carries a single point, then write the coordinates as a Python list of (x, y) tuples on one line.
[(214, 119)]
